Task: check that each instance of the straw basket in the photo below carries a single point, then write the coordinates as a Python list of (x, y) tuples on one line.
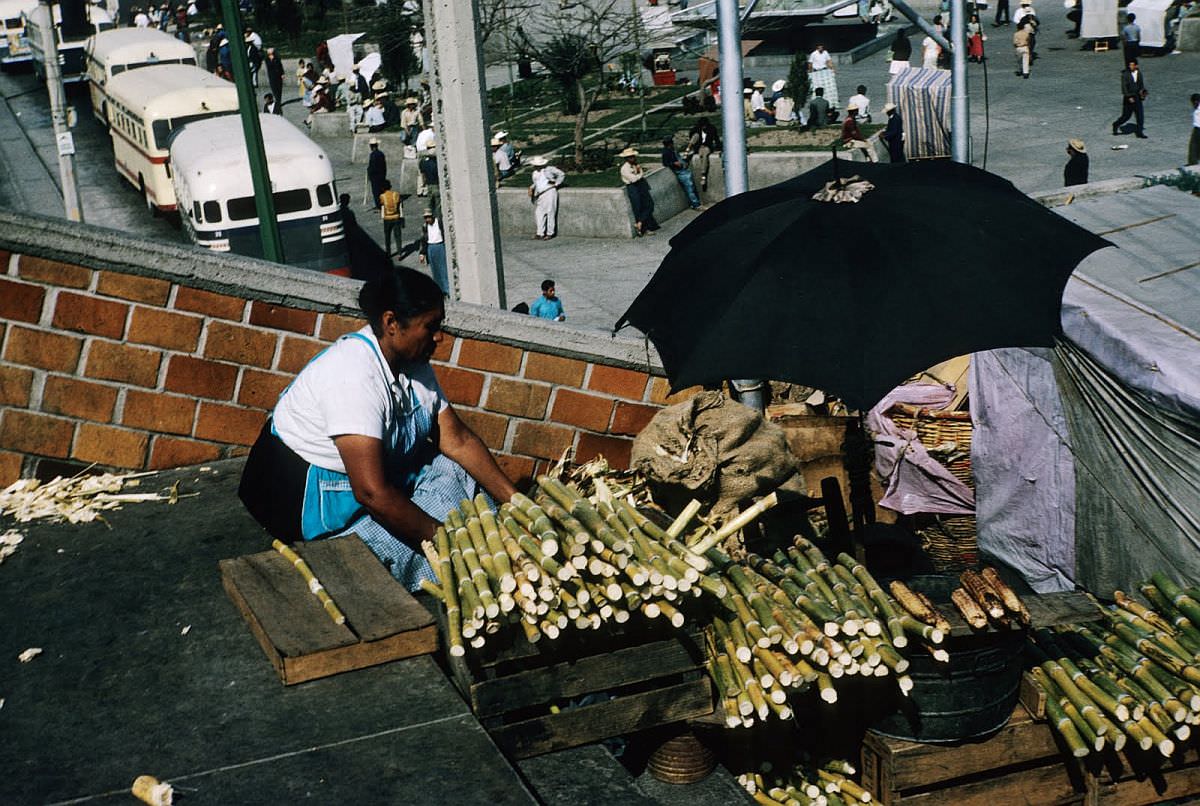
[(950, 541)]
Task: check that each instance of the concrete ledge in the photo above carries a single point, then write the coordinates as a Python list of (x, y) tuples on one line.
[(772, 167), (1062, 196), (1189, 34), (100, 248), (331, 124)]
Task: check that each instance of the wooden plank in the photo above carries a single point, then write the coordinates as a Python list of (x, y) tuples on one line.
[(1045, 786), (908, 765), (590, 723), (375, 604), (239, 601), (359, 655), (1046, 609), (584, 675), (281, 604), (1166, 784), (1032, 697)]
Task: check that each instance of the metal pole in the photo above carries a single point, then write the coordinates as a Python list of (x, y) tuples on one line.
[(260, 175), (637, 43), (58, 112), (959, 136)]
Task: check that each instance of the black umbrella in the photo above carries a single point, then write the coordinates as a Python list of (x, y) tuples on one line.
[(939, 259)]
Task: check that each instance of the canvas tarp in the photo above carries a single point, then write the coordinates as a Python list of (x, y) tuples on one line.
[(1099, 19), (1152, 19), (1087, 458), (923, 99)]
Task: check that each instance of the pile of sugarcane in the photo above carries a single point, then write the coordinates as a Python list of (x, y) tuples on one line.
[(1130, 680), (797, 621), (985, 597), (803, 784), (558, 560)]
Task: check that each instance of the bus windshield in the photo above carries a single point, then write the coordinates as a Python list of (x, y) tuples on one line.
[(164, 127), (286, 201)]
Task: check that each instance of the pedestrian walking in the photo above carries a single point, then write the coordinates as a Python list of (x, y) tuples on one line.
[(1021, 39), (1193, 155), (376, 170), (679, 166), (822, 74), (433, 248), (392, 213), (1075, 172), (633, 176), (930, 50), (543, 193), (703, 140), (893, 133), (274, 67), (1001, 11), (426, 149), (1133, 95), (974, 40), (1131, 39)]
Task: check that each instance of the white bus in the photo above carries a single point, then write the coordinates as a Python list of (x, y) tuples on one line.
[(110, 53), (13, 46), (216, 192), (145, 107), (70, 45)]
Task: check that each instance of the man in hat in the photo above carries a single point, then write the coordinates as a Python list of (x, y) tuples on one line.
[(1022, 47), (543, 192), (679, 167), (253, 56), (140, 18), (758, 105), (274, 67), (361, 85), (852, 136), (1133, 93), (1076, 170), (504, 168), (426, 140), (862, 103), (410, 120), (427, 173), (514, 156), (341, 92), (374, 118), (747, 109), (376, 170), (433, 248), (893, 133), (782, 105), (392, 213), (633, 176)]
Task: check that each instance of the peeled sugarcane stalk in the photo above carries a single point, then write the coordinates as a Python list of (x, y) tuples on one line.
[(982, 593), (1012, 603), (314, 585), (736, 524), (970, 610)]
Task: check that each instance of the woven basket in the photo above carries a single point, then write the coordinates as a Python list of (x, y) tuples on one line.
[(951, 542), (937, 427)]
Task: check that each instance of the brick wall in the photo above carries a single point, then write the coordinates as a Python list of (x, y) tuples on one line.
[(111, 365)]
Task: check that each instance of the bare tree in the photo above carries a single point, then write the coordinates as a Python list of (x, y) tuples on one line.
[(572, 46)]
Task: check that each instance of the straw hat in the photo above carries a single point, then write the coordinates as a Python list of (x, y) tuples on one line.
[(628, 152), (502, 135), (496, 141), (1077, 145), (374, 141), (760, 85), (778, 86), (409, 100), (379, 85), (747, 91), (539, 162), (428, 211), (888, 107), (851, 107)]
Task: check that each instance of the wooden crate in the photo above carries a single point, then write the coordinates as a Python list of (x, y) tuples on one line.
[(525, 694), (383, 622)]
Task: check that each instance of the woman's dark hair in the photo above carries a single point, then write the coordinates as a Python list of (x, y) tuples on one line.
[(405, 292)]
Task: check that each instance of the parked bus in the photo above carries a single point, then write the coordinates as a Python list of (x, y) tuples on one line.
[(13, 46), (110, 53), (73, 25), (216, 193), (145, 107)]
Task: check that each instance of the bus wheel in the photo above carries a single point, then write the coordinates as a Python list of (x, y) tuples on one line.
[(146, 195)]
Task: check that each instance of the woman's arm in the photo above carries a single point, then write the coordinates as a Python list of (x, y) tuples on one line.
[(458, 442), (387, 504)]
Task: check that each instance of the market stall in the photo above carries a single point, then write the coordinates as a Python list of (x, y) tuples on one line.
[(1152, 18)]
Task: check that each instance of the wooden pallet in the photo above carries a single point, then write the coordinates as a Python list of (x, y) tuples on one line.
[(383, 622), (526, 695), (1022, 763)]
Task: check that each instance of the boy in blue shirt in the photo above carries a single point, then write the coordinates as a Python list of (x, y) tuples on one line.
[(548, 306)]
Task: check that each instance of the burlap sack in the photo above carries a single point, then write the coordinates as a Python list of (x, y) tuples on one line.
[(714, 450)]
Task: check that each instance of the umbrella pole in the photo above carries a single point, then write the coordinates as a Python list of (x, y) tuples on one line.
[(749, 392)]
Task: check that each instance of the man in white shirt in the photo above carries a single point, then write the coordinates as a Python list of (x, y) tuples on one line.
[(862, 103), (373, 117), (543, 192), (822, 74), (140, 18), (433, 248), (504, 167), (426, 140), (1193, 156), (930, 50)]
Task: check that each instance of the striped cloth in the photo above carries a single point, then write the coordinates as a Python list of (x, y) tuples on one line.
[(441, 485), (923, 99), (827, 80)]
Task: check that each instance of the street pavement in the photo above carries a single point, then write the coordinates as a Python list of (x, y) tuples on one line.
[(1019, 130)]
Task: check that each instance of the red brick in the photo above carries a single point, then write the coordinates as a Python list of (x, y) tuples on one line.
[(106, 445), (489, 356), (53, 273), (229, 424), (517, 398), (154, 411), (10, 467), (149, 290), (542, 441), (196, 376), (660, 392), (209, 303), (42, 349), (491, 428), (171, 452), (520, 469), (334, 325), (15, 386), (585, 411), (278, 317), (21, 302), (119, 362), (261, 390), (87, 314), (242, 345), (620, 382), (76, 398), (462, 386), (613, 449), (295, 353), (444, 348), (30, 432), (172, 331), (555, 369), (631, 418)]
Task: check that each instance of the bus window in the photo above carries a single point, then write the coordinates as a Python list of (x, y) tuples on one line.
[(324, 195), (117, 69), (13, 24), (286, 201), (196, 212), (212, 212), (163, 128)]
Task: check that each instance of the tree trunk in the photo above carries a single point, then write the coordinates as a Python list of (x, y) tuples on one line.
[(585, 106)]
